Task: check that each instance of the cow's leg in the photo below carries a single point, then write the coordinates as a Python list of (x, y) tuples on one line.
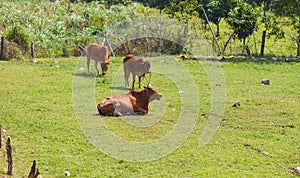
[(126, 78), (117, 113), (140, 78), (140, 110), (96, 67), (106, 108), (88, 63), (133, 81)]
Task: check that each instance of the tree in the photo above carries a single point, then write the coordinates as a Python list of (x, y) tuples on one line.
[(243, 21), (267, 21), (182, 10), (290, 9), (218, 9), (257, 3)]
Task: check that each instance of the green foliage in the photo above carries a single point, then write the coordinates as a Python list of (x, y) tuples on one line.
[(290, 9), (160, 4), (243, 20), (50, 24), (109, 2), (219, 9), (18, 35), (274, 27), (182, 10)]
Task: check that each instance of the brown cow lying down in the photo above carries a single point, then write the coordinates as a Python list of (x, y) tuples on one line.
[(100, 54), (136, 66), (130, 103)]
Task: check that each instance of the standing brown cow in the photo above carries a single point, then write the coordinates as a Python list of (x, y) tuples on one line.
[(136, 66), (130, 103), (100, 54)]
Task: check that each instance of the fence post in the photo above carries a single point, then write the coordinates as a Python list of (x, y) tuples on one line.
[(9, 157), (263, 39), (2, 48), (0, 136), (34, 172), (32, 49)]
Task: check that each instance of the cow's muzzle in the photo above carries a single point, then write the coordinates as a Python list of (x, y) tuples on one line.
[(156, 96)]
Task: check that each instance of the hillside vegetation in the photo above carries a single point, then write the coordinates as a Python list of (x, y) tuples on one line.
[(59, 28)]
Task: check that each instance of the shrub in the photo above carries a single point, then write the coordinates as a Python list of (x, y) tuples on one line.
[(11, 51), (16, 34)]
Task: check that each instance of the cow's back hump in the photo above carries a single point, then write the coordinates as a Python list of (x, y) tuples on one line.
[(97, 52), (128, 57)]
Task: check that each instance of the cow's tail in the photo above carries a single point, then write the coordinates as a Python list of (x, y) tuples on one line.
[(127, 57)]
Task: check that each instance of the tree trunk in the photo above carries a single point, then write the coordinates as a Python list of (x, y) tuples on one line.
[(215, 38), (218, 30), (244, 43), (298, 50), (265, 9), (227, 42)]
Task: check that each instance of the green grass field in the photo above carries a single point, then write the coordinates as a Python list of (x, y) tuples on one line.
[(39, 112)]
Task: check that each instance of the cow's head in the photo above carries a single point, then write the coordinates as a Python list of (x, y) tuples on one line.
[(152, 92), (104, 67)]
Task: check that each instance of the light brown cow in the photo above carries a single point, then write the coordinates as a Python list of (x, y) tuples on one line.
[(100, 54), (136, 66), (130, 103)]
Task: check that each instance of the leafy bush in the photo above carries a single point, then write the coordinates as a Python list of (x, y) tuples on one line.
[(17, 34), (50, 24)]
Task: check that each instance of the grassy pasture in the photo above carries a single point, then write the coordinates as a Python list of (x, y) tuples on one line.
[(37, 113)]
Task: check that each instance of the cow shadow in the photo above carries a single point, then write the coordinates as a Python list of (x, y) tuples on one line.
[(87, 75), (120, 88)]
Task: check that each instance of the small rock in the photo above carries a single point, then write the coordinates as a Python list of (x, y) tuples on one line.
[(183, 57), (236, 104), (67, 173), (265, 82)]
